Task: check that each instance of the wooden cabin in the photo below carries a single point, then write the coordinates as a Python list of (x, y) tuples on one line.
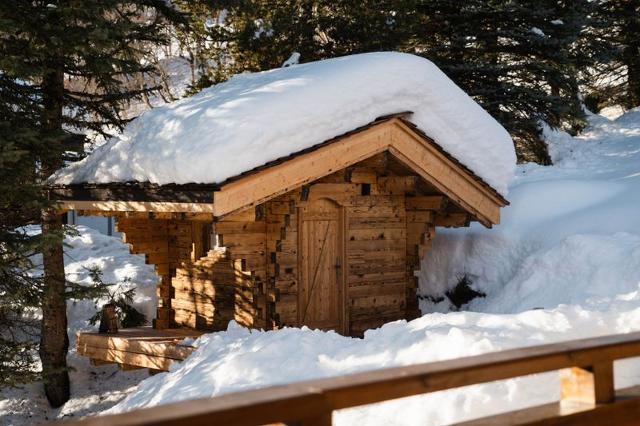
[(330, 237)]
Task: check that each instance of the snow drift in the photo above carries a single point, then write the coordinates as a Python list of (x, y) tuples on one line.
[(93, 388), (255, 118), (569, 245), (572, 232), (88, 249)]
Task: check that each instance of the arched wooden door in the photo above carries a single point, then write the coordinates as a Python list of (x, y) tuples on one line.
[(321, 264)]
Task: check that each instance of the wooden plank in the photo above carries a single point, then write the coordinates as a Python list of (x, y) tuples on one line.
[(433, 202), (161, 348), (397, 184), (452, 220), (423, 216), (377, 200), (244, 215), (592, 386), (373, 222), (378, 211), (251, 227), (374, 245), (376, 234), (206, 217), (137, 206), (266, 184), (624, 411), (363, 175), (131, 358), (340, 192), (376, 277)]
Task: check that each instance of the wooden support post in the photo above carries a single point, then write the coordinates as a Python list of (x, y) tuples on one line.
[(593, 385)]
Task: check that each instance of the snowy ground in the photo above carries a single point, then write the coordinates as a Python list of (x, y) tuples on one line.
[(93, 388), (564, 264)]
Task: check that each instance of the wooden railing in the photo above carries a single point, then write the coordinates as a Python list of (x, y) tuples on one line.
[(587, 394)]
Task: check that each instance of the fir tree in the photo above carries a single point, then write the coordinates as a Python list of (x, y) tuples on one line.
[(20, 200), (54, 47), (514, 57), (613, 39)]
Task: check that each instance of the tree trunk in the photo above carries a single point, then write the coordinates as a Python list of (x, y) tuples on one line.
[(631, 52), (54, 342)]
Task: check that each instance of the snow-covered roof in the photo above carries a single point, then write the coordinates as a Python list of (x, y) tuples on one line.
[(255, 118)]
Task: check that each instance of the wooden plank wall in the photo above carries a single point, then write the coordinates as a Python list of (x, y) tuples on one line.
[(151, 238), (282, 249), (384, 238), (244, 237), (253, 276), (167, 244), (377, 275), (202, 288)]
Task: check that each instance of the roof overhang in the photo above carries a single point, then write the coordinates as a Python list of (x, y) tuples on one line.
[(393, 134)]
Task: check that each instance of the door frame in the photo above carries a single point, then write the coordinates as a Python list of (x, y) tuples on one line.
[(343, 328)]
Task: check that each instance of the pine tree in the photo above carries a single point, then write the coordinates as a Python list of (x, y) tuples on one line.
[(54, 47), (229, 37), (516, 58), (20, 200), (613, 37)]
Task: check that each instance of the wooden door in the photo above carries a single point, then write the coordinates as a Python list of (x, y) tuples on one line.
[(321, 259)]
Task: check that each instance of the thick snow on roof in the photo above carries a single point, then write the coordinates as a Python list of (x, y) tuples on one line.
[(255, 118)]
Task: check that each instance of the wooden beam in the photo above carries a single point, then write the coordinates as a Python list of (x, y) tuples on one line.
[(624, 411), (592, 385), (431, 202), (142, 347), (134, 191), (276, 180), (433, 166), (454, 220), (136, 206), (197, 217), (399, 185)]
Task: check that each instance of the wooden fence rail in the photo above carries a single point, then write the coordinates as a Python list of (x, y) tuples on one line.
[(587, 394)]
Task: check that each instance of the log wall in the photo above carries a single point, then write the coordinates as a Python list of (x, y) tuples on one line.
[(385, 239), (252, 275)]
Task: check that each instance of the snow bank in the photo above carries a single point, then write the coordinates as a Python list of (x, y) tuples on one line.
[(93, 389), (255, 118), (571, 234), (91, 249), (239, 359), (569, 243)]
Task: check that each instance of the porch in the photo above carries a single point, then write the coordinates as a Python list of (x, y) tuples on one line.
[(133, 348)]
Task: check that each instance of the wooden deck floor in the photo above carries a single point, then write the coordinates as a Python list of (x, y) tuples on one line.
[(142, 347)]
